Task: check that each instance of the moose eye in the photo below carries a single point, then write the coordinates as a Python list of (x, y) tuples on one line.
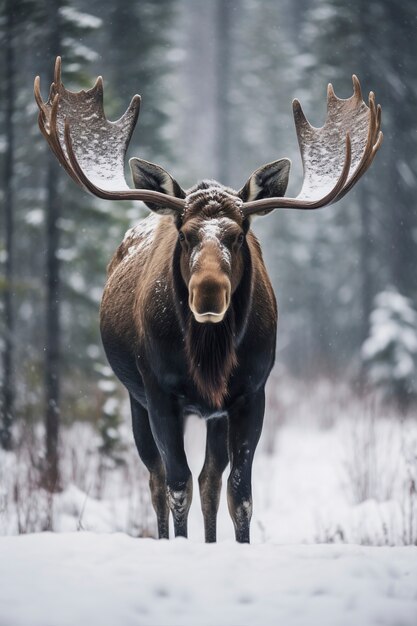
[(240, 238), (181, 236)]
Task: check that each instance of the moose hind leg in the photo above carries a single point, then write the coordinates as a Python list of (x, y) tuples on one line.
[(210, 479), (150, 456)]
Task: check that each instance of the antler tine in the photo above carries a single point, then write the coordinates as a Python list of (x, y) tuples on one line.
[(57, 71), (93, 152), (357, 90), (331, 96), (49, 116), (37, 94), (299, 115), (379, 114), (321, 154)]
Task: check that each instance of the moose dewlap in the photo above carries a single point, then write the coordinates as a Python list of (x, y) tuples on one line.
[(188, 316)]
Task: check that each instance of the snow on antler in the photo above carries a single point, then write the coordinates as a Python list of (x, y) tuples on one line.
[(334, 156), (99, 145), (89, 147), (322, 149)]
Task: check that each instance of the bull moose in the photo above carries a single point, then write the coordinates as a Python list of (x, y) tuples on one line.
[(188, 315)]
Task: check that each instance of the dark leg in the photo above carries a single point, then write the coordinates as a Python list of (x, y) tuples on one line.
[(245, 426), (167, 428), (149, 454), (180, 494), (210, 479)]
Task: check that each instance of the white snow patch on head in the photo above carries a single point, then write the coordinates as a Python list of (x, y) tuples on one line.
[(212, 230)]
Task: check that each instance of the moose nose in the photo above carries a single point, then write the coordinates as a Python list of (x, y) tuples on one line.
[(209, 297)]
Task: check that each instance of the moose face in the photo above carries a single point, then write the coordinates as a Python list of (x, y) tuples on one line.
[(212, 230), (211, 262)]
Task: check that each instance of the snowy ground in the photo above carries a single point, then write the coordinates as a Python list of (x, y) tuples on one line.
[(115, 580), (335, 504)]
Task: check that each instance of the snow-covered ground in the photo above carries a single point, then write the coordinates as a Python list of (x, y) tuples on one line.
[(115, 580), (335, 505)]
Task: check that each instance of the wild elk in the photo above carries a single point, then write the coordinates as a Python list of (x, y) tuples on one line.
[(188, 316)]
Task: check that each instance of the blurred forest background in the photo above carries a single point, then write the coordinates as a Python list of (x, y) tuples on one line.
[(217, 80)]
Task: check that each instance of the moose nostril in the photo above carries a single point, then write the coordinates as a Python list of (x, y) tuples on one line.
[(193, 298), (226, 298)]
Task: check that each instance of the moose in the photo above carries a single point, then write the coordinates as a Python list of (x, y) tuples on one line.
[(188, 317)]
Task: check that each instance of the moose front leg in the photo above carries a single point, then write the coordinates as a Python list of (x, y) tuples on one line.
[(167, 429), (180, 493), (245, 426), (210, 479), (179, 482)]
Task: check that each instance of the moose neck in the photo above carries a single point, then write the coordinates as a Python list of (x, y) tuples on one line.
[(210, 349)]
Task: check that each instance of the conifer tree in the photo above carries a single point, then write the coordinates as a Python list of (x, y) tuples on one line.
[(63, 24), (14, 15), (390, 352)]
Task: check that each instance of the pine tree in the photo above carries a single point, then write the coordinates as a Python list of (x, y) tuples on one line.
[(390, 352), (62, 25), (377, 217), (9, 35), (14, 15), (90, 229)]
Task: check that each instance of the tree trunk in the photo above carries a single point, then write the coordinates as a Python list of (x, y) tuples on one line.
[(52, 342), (8, 389), (366, 248), (399, 199), (364, 201), (53, 326), (223, 23)]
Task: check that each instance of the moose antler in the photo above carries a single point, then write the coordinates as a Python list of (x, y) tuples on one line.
[(90, 148), (334, 156)]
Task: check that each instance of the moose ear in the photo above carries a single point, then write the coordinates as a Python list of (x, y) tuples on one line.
[(269, 181), (147, 175)]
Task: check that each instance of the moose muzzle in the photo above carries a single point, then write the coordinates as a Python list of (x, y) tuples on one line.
[(209, 297)]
